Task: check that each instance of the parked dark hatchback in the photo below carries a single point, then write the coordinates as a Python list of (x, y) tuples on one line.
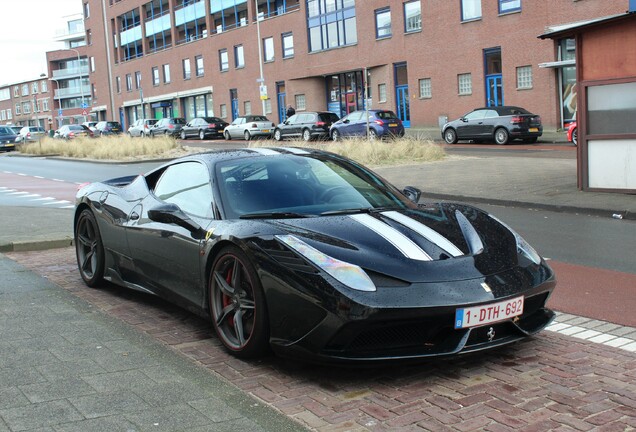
[(108, 128), (306, 125), (382, 123), (168, 126), (203, 127), (7, 138), (501, 124)]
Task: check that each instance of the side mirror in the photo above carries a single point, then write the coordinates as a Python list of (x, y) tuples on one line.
[(412, 193), (172, 214), (464, 119)]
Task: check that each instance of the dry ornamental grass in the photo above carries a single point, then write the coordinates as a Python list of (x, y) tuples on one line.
[(124, 148)]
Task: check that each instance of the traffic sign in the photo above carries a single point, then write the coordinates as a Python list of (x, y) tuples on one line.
[(84, 113), (84, 106), (59, 112)]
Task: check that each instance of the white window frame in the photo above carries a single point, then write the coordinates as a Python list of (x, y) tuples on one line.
[(288, 44), (268, 106), (9, 115), (166, 73), (413, 23), (425, 87), (524, 77), (301, 102), (268, 49), (247, 107), (382, 92), (223, 111), (199, 66), (464, 84), (471, 10), (35, 87)]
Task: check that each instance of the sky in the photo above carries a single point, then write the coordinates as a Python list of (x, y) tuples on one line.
[(27, 32)]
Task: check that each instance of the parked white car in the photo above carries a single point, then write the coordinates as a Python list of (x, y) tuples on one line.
[(141, 127), (247, 127)]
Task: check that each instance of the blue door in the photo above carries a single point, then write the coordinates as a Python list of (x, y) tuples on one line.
[(403, 108), (494, 90), (235, 103)]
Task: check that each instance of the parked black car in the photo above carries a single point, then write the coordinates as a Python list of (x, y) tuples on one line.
[(306, 125), (168, 126), (7, 138), (108, 128), (501, 124), (203, 127)]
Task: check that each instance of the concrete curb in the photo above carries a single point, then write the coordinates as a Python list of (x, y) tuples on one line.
[(27, 246)]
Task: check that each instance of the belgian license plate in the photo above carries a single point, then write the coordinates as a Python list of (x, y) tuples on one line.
[(533, 130), (265, 130), (488, 313), (392, 124)]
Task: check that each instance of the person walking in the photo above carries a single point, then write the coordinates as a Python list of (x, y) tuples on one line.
[(290, 111)]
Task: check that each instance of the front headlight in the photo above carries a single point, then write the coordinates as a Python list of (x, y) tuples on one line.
[(523, 247), (349, 274)]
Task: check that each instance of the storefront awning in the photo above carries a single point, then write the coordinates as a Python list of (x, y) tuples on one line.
[(558, 64)]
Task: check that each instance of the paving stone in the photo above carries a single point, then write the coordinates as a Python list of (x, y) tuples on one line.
[(54, 390), (108, 404), (40, 415)]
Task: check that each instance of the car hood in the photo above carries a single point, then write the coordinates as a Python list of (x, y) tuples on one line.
[(439, 242)]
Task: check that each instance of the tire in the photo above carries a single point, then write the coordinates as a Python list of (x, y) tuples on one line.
[(501, 136), (142, 135), (183, 135), (575, 136), (373, 135), (227, 136), (306, 135), (201, 135), (247, 135), (450, 136), (89, 249), (152, 134), (277, 135), (237, 304), (335, 135)]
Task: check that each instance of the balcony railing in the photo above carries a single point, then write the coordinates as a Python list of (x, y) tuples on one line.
[(73, 92), (70, 72)]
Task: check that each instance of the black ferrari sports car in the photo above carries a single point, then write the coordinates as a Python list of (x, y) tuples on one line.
[(313, 256)]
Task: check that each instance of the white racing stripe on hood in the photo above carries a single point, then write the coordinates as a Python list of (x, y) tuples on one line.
[(265, 151), (393, 236), (426, 232)]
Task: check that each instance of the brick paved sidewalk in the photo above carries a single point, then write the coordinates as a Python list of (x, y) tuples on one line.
[(550, 382)]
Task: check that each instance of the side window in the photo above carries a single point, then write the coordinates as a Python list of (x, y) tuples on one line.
[(293, 119), (491, 114), (475, 115), (187, 185)]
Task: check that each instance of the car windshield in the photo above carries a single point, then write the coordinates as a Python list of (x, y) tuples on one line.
[(179, 121), (298, 186)]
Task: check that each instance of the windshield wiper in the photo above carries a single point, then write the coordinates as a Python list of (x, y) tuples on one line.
[(360, 210), (275, 215)]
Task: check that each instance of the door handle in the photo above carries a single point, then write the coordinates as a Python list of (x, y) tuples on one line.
[(134, 216)]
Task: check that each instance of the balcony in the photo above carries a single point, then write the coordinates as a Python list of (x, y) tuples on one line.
[(72, 92), (70, 73)]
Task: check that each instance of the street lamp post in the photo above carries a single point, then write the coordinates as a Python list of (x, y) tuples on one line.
[(59, 103), (261, 81)]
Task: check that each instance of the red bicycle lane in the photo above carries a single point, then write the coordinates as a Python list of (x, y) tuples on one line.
[(58, 189)]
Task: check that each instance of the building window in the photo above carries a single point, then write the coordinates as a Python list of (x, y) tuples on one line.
[(118, 84), (524, 77), (412, 16), (198, 60), (3, 115), (155, 76), (331, 24), (471, 10), (18, 110), (506, 6), (44, 87), (137, 80), (381, 92), (223, 109), (16, 91), (166, 73), (465, 84), (45, 104), (186, 69), (228, 14), (301, 103), (268, 49), (128, 82), (288, 45), (87, 10), (383, 23), (25, 89), (247, 107), (26, 107), (239, 57), (268, 106), (34, 88), (224, 62), (92, 64), (425, 88), (9, 116)]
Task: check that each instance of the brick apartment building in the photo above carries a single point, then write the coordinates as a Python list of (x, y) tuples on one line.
[(425, 59)]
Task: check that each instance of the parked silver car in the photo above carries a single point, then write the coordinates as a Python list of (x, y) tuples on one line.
[(31, 133), (141, 127), (249, 126)]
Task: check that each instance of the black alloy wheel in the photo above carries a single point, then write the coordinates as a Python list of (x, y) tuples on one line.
[(237, 304), (89, 249), (575, 136)]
